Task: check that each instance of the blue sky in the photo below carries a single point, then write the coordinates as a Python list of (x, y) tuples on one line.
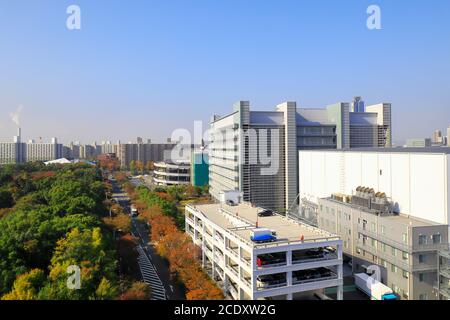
[(144, 68)]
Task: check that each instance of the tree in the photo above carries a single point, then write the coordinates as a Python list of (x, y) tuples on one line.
[(137, 291), (89, 250), (119, 222), (126, 249), (26, 286), (150, 166), (140, 166), (6, 199), (191, 191), (133, 167)]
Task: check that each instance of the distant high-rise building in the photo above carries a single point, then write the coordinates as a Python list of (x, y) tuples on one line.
[(437, 137), (357, 105)]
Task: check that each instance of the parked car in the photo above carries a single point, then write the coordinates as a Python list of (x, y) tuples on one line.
[(267, 281), (230, 203)]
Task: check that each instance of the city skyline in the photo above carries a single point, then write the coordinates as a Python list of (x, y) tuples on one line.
[(124, 67)]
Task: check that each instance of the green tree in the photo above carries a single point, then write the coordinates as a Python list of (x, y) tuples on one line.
[(26, 286), (90, 251)]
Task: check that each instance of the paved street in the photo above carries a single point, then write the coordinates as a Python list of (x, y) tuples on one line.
[(154, 269)]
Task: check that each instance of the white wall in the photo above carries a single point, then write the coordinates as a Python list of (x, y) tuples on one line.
[(417, 182)]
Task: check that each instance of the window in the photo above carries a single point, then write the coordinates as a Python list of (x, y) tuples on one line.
[(405, 238), (393, 268), (373, 243), (436, 238), (405, 256), (405, 274), (421, 277), (421, 258), (383, 247), (394, 251), (373, 227), (383, 230), (422, 239)]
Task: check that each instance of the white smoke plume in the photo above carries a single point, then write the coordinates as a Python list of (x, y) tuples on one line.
[(15, 116)]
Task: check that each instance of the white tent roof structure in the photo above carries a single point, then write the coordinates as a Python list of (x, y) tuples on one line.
[(58, 161)]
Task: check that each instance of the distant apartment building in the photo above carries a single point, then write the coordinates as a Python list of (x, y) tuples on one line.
[(109, 148), (14, 151), (43, 151), (348, 191), (143, 152), (404, 248), (418, 143), (256, 151), (302, 261)]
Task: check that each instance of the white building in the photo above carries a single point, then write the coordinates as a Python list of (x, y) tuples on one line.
[(168, 173), (255, 152), (301, 261), (416, 180), (43, 151)]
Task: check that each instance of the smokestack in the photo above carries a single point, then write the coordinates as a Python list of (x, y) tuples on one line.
[(19, 133)]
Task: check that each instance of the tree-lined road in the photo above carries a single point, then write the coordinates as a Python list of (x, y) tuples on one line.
[(154, 269)]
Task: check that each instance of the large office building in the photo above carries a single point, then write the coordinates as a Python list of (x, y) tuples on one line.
[(390, 206), (256, 151), (303, 260)]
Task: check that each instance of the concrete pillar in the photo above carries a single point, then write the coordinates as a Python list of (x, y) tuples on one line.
[(289, 296), (340, 292), (289, 257), (241, 294)]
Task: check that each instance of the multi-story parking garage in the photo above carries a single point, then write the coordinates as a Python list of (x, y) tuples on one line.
[(301, 259)]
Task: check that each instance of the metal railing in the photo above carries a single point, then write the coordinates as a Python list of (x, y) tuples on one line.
[(331, 256)]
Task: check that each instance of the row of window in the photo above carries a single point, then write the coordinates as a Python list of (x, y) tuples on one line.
[(423, 239)]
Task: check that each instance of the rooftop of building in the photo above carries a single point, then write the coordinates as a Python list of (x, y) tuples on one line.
[(241, 219), (435, 150)]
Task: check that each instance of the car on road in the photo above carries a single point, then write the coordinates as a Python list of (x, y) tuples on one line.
[(265, 213)]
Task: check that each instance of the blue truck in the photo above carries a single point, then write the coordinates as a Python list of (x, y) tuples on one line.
[(263, 235)]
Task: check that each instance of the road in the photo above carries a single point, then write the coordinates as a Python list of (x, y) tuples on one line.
[(154, 269)]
